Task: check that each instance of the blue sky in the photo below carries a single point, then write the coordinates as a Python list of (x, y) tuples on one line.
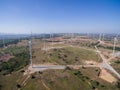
[(45, 16)]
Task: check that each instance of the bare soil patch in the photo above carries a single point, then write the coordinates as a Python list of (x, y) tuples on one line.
[(105, 75)]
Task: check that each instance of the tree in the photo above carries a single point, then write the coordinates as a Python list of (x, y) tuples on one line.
[(18, 86), (118, 84)]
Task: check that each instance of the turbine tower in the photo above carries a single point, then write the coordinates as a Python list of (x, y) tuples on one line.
[(115, 40), (99, 37), (44, 42)]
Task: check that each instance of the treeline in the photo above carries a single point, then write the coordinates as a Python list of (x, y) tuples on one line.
[(8, 41), (91, 45), (110, 47), (15, 50), (19, 61)]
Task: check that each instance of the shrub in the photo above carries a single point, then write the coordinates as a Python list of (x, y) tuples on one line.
[(118, 84), (33, 77), (18, 86)]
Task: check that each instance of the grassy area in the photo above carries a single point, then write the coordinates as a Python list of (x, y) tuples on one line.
[(59, 45), (66, 55), (16, 63), (9, 71), (15, 50), (8, 41), (9, 82), (58, 80), (68, 79), (116, 65), (19, 60)]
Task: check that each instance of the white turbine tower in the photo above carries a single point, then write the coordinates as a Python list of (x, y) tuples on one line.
[(51, 40), (99, 37), (117, 36), (30, 49), (44, 42), (115, 40)]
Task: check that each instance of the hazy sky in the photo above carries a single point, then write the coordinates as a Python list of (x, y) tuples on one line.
[(44, 16)]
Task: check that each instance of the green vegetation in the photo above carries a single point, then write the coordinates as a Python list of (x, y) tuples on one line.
[(118, 61), (118, 84), (11, 72), (110, 47), (20, 59), (70, 55), (9, 41), (85, 79), (15, 50), (16, 63), (92, 81), (116, 64), (11, 81), (91, 45), (66, 55)]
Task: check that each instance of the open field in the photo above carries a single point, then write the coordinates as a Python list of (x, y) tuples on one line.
[(57, 80), (65, 55), (69, 54), (116, 64)]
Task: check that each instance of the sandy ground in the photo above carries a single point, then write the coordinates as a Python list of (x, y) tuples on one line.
[(91, 62), (105, 75)]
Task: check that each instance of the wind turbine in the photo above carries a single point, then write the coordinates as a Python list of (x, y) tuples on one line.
[(99, 37), (30, 48), (115, 40), (51, 40), (71, 36), (44, 42), (117, 36)]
